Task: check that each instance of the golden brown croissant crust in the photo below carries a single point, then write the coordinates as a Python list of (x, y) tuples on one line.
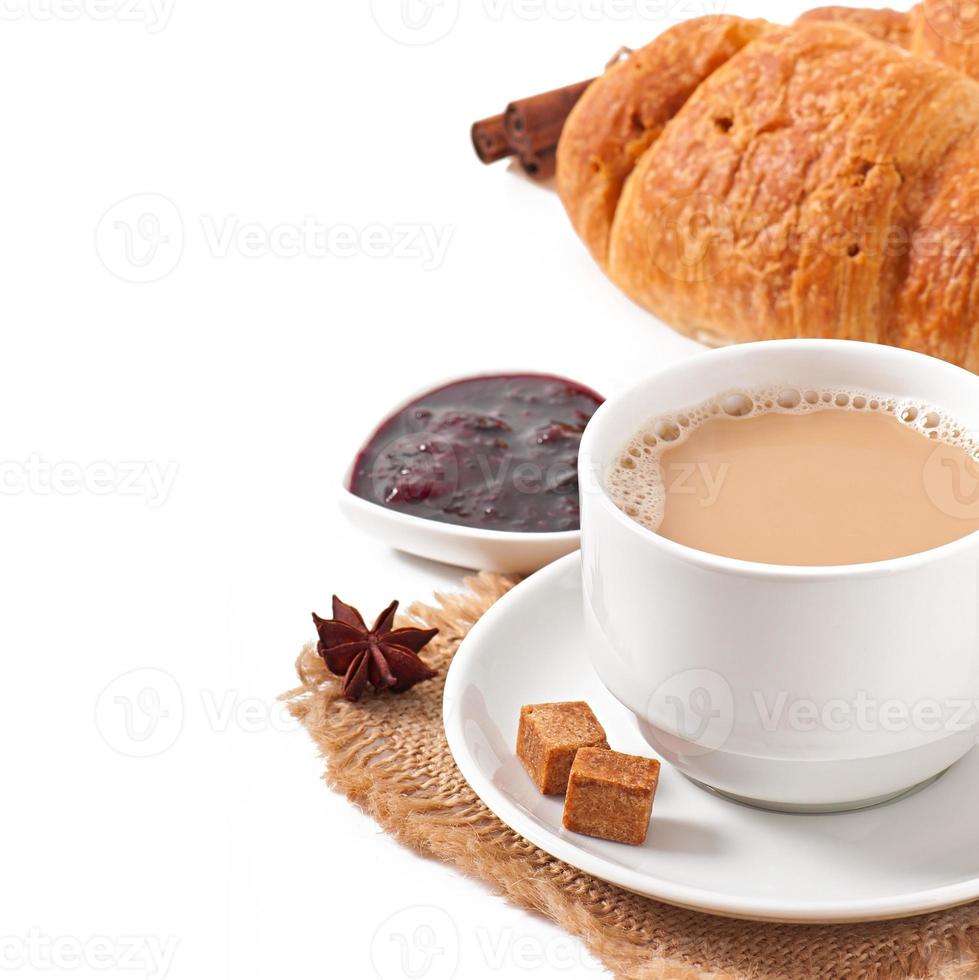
[(885, 25), (805, 181), (945, 30)]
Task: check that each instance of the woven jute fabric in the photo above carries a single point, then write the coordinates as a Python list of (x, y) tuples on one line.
[(389, 755)]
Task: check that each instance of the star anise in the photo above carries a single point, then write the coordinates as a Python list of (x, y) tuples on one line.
[(386, 657)]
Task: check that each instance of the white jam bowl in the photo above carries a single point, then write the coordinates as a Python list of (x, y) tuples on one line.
[(790, 687)]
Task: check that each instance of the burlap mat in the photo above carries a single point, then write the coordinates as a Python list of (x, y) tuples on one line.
[(389, 755)]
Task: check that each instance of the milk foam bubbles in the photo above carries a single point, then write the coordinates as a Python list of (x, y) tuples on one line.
[(635, 479)]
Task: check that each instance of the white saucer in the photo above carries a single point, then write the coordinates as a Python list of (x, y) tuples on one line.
[(915, 855)]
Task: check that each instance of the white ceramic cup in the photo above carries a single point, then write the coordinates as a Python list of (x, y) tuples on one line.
[(790, 687)]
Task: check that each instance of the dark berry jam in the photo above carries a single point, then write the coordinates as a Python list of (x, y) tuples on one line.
[(498, 452)]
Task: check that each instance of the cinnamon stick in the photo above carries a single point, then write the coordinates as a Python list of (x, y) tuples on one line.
[(529, 129), (535, 124), (490, 139), (540, 166)]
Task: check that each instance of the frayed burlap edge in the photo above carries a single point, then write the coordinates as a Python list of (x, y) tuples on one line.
[(389, 755)]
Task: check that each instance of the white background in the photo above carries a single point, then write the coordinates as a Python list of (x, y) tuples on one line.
[(212, 349)]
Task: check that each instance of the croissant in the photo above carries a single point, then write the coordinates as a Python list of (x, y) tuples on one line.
[(744, 181), (945, 30)]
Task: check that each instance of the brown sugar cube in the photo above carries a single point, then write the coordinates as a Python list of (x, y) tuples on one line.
[(610, 795), (548, 738)]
